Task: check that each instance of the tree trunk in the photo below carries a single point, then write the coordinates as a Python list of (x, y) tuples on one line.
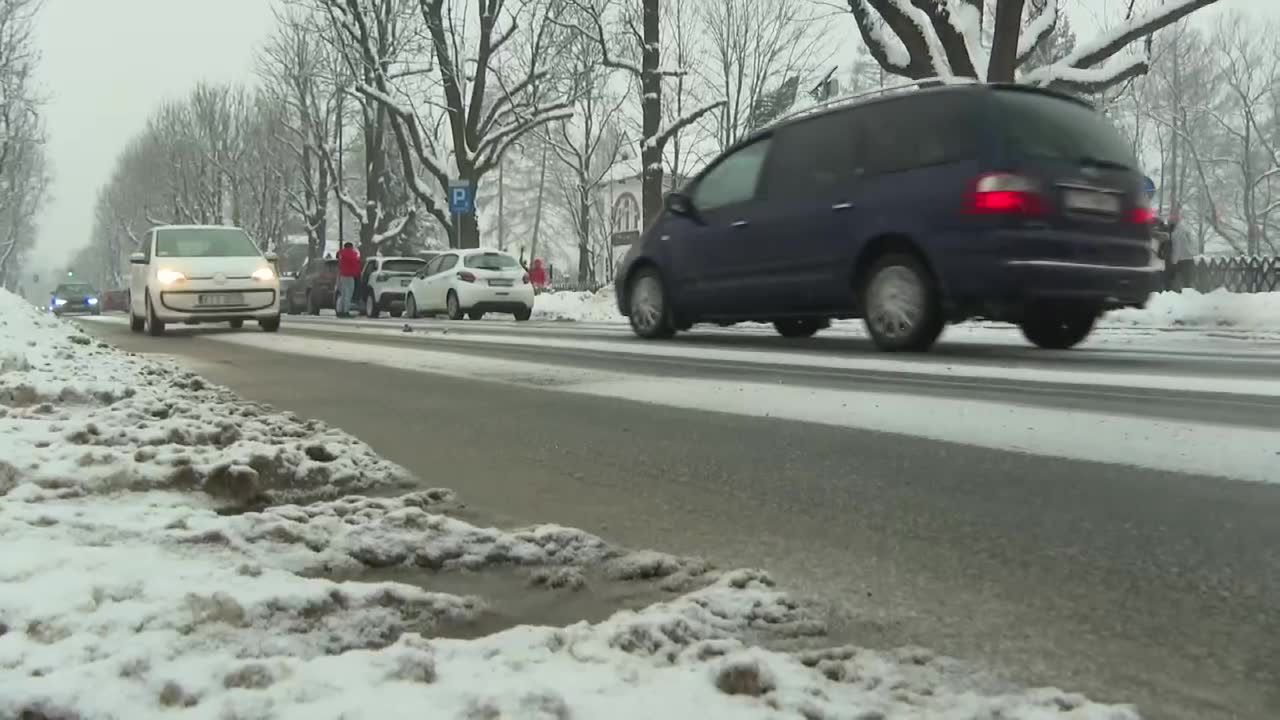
[(1004, 44), (584, 230), (537, 208), (651, 114), (502, 227)]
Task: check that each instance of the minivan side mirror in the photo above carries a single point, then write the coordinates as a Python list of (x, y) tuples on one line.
[(677, 203), (138, 258)]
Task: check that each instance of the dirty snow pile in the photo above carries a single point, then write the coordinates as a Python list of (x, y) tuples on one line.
[(1196, 310), (132, 587), (599, 306)]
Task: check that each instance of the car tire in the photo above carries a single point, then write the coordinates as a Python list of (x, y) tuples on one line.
[(411, 307), (476, 315), (286, 304), (648, 305), (454, 306), (901, 305), (271, 324), (524, 315), (154, 325), (236, 324), (371, 309), (313, 307), (396, 313), (97, 311), (801, 328), (136, 324), (1058, 330)]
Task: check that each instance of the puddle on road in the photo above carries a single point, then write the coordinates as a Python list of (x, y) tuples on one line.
[(512, 598)]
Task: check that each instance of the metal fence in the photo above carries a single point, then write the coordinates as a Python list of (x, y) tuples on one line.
[(1254, 274), (575, 286)]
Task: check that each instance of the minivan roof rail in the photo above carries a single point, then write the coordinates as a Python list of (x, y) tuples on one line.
[(846, 99)]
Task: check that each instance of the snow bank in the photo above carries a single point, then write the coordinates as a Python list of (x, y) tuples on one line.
[(600, 306), (1192, 309), (77, 413), (126, 590)]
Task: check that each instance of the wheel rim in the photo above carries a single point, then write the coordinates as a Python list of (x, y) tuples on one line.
[(895, 302), (647, 303), (411, 307)]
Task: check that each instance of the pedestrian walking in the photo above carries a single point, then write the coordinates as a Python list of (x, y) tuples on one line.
[(348, 271), (538, 276)]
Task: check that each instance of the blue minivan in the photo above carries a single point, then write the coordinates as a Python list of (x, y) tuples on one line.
[(910, 211)]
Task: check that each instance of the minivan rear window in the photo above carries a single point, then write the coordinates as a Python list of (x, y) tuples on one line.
[(1042, 126)]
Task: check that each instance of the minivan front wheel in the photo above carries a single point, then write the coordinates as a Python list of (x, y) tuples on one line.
[(650, 312), (1058, 329), (901, 307)]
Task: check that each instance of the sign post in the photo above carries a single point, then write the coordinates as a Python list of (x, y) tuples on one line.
[(462, 201)]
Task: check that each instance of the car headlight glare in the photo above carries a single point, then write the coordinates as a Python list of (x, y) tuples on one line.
[(169, 277), (60, 302), (93, 301), (264, 274)]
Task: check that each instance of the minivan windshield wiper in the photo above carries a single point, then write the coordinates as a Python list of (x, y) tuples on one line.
[(1091, 161)]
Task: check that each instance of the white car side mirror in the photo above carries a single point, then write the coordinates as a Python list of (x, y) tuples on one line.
[(138, 259)]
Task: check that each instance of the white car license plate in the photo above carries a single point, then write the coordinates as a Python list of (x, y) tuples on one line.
[(220, 299), (1089, 201)]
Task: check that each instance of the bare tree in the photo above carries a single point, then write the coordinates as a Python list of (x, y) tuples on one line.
[(920, 39), (633, 44), (23, 179)]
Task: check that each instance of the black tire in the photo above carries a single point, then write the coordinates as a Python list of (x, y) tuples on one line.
[(454, 306), (802, 328), (649, 310), (901, 304), (97, 311), (313, 307), (371, 309), (136, 324), (524, 315), (476, 315), (411, 307), (1058, 330), (236, 324), (270, 325), (154, 326), (396, 313)]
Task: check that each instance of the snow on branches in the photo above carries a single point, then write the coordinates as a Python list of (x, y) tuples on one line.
[(921, 39)]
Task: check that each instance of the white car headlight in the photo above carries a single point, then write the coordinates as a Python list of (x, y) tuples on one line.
[(93, 301), (169, 277), (60, 302), (263, 274)]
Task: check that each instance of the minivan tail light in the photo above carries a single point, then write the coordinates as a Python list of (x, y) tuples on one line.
[(1005, 194), (465, 276), (1143, 216)]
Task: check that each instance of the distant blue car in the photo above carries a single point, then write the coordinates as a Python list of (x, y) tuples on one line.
[(75, 298), (909, 210)]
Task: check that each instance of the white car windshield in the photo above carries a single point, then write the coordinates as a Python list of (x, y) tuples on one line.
[(491, 261), (204, 242)]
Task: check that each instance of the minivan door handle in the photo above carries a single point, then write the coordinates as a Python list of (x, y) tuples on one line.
[(842, 206), (739, 224)]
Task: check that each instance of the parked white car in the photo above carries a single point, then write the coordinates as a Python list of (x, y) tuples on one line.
[(384, 282), (197, 274), (471, 283)]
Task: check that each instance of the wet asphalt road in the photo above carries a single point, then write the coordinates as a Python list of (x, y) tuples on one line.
[(1125, 584)]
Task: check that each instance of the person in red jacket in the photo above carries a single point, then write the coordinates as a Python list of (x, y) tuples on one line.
[(348, 271), (538, 275)]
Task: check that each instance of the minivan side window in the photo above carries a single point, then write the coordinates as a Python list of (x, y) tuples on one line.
[(918, 131), (734, 179), (817, 157)]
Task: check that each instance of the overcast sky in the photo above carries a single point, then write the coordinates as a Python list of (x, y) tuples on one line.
[(108, 63)]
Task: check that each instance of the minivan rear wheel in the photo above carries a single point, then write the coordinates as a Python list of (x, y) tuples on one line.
[(649, 309), (1058, 329), (901, 305)]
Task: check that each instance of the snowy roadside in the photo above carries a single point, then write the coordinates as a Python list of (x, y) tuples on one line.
[(135, 582), (1187, 310)]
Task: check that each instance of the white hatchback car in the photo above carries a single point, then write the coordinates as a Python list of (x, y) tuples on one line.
[(201, 274), (470, 283)]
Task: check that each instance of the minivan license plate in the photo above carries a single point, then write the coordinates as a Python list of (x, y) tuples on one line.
[(220, 299), (1089, 201)]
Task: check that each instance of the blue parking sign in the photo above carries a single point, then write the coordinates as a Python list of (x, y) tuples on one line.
[(462, 197)]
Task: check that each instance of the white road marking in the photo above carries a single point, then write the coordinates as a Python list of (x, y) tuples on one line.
[(1200, 448)]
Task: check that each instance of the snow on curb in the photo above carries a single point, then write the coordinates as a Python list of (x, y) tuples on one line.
[(1192, 309), (600, 306), (127, 590)]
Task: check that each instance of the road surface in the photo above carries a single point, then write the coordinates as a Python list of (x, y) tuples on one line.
[(1126, 583)]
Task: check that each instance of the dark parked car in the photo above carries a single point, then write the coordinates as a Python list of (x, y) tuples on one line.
[(75, 298), (315, 288), (909, 210)]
